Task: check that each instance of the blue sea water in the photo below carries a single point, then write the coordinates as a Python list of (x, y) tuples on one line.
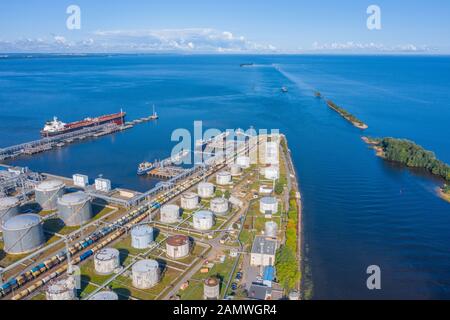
[(358, 210)]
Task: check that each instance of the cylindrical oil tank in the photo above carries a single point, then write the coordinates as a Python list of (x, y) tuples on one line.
[(211, 288), (219, 206), (170, 213), (9, 207), (105, 295), (270, 229), (203, 220), (61, 289), (205, 189), (142, 236), (177, 246), (106, 260), (48, 192), (23, 233), (223, 178), (268, 205), (235, 170), (243, 161), (272, 172), (189, 200), (75, 208), (145, 274)]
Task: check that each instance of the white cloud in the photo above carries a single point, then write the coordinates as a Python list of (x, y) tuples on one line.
[(351, 46), (162, 40)]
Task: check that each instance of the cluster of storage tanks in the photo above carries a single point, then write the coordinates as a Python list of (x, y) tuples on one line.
[(73, 208), (24, 233)]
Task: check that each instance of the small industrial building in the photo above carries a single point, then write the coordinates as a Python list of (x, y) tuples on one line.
[(263, 251), (259, 291)]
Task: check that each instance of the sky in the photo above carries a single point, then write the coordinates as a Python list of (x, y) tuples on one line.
[(263, 26)]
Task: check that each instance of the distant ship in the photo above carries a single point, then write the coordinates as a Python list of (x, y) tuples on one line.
[(145, 167), (56, 127), (154, 116), (246, 64), (284, 89)]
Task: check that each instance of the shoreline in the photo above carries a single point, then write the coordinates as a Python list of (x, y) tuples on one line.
[(443, 195), (298, 200)]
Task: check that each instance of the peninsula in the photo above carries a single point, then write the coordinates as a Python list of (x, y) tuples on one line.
[(412, 155), (347, 116)]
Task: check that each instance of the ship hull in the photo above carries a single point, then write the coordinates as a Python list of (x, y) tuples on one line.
[(119, 120)]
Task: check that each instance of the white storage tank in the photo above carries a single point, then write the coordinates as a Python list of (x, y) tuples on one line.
[(9, 207), (243, 161), (211, 288), (145, 274), (103, 185), (189, 200), (170, 213), (105, 295), (23, 234), (219, 206), (75, 208), (62, 289), (106, 260), (205, 189), (203, 220), (177, 246), (268, 205), (235, 170), (223, 178), (270, 229), (141, 236), (48, 192), (272, 172), (80, 180)]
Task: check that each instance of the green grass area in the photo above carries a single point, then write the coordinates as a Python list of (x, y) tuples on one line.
[(195, 289)]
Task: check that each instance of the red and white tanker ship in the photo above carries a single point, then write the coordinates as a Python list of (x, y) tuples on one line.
[(57, 127)]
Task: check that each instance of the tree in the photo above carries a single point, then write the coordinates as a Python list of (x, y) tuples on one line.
[(279, 188)]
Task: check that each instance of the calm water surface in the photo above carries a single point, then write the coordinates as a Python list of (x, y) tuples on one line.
[(358, 210)]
